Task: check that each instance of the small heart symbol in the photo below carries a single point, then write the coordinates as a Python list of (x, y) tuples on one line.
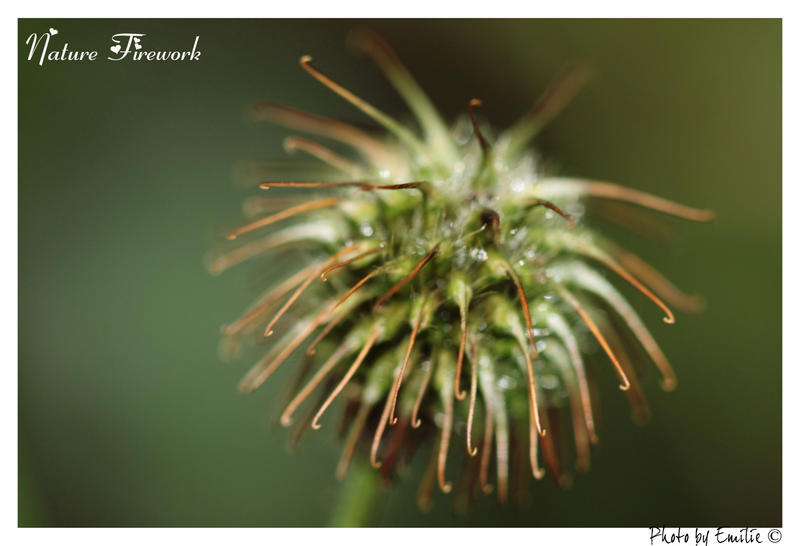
[(135, 39), (53, 31), (137, 46), (115, 48)]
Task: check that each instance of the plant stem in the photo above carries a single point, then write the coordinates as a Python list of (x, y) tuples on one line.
[(358, 498)]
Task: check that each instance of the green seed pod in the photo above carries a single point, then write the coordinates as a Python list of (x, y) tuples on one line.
[(454, 290)]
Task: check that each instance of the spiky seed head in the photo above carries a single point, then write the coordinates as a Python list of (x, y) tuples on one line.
[(453, 291)]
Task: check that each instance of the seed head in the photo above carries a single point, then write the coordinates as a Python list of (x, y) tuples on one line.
[(454, 290)]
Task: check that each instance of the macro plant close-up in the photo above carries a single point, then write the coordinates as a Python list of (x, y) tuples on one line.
[(459, 277), (401, 273)]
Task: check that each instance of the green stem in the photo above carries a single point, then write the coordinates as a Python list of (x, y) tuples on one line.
[(358, 498)]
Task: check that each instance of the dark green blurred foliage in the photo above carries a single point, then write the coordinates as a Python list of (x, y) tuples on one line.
[(127, 416)]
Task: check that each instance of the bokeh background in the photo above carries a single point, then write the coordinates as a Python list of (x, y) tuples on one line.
[(127, 417)]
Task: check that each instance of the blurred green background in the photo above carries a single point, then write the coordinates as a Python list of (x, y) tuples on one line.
[(128, 417)]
